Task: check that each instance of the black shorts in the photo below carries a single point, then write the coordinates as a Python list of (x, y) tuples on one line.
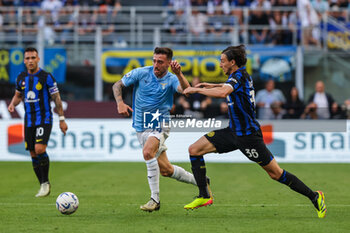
[(252, 146), (36, 135)]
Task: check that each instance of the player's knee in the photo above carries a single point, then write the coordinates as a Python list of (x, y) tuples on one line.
[(193, 150), (148, 154), (274, 175), (39, 150)]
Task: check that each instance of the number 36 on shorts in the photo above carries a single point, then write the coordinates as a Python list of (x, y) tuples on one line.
[(252, 153)]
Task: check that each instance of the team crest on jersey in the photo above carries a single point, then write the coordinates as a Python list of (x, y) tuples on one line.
[(211, 134), (163, 85), (38, 86), (128, 74)]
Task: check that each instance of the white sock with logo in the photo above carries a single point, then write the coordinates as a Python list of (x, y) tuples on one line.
[(153, 178), (182, 175)]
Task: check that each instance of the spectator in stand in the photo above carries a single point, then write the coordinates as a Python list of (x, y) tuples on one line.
[(46, 23), (177, 26), (53, 6), (31, 3), (10, 24), (197, 105), (219, 26), (86, 22), (67, 20), (237, 16), (280, 32), (6, 3), (337, 14), (104, 17), (261, 4), (199, 3), (266, 97), (321, 6), (180, 4), (310, 112), (277, 111), (346, 108), (337, 111), (309, 23), (223, 114), (294, 106), (260, 20), (29, 26), (323, 101), (197, 24), (212, 6)]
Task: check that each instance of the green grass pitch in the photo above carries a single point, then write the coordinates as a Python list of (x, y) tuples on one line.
[(245, 200)]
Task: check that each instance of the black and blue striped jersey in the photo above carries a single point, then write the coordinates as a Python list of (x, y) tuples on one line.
[(241, 103), (36, 90)]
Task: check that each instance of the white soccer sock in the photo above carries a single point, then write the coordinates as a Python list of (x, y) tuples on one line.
[(182, 175), (153, 178)]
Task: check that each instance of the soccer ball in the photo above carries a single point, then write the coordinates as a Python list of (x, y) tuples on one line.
[(67, 203)]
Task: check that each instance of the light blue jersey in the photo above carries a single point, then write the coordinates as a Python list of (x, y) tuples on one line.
[(152, 96)]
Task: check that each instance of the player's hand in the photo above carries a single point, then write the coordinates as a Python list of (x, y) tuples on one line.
[(189, 90), (175, 67), (63, 127), (203, 85), (124, 109), (11, 108)]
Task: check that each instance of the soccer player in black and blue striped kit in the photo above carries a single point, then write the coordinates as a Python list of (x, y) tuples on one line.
[(37, 88), (243, 133)]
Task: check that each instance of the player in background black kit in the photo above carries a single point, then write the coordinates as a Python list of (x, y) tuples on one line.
[(243, 133), (37, 88)]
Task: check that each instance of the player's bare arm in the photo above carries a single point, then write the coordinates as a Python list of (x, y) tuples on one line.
[(208, 85), (176, 68), (117, 92), (216, 92), (17, 98), (59, 108)]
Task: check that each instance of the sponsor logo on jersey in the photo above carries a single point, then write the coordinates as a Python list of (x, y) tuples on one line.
[(38, 86), (31, 97)]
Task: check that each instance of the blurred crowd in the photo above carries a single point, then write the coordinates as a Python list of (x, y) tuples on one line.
[(271, 104), (276, 22), (269, 21)]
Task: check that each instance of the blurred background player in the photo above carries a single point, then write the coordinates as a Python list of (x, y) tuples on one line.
[(36, 88), (154, 88), (243, 133)]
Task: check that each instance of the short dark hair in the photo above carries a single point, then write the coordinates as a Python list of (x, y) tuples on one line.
[(30, 49), (164, 50), (236, 53)]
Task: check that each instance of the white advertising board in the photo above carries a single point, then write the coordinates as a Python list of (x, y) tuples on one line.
[(115, 140)]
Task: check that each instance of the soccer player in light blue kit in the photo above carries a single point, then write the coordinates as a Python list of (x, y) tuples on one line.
[(154, 88)]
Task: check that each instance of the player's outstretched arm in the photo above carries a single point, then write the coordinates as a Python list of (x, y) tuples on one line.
[(216, 92), (117, 91), (176, 68), (17, 98), (59, 108), (209, 85)]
